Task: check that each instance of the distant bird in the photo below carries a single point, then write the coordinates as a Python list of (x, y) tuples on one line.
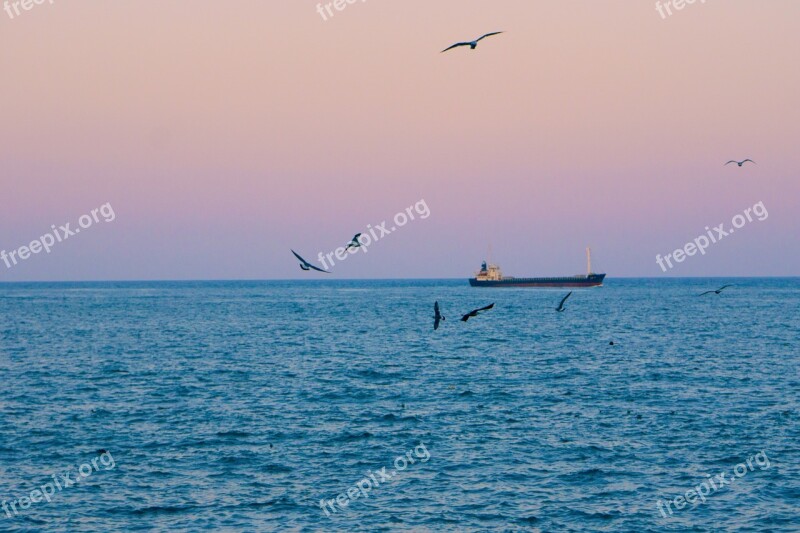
[(355, 243), (611, 343), (740, 163), (560, 307), (305, 265), (475, 312), (437, 316), (471, 44), (718, 291)]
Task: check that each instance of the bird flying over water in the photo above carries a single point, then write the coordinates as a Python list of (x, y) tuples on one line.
[(740, 163), (471, 44), (305, 265), (718, 291), (355, 243), (475, 312), (437, 316), (560, 307)]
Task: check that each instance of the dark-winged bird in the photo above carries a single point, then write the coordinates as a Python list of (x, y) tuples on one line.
[(717, 291), (475, 312), (437, 316), (560, 307), (355, 243), (471, 44), (740, 163), (305, 265)]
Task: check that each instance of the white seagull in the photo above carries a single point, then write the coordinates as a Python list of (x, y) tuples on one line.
[(740, 163), (561, 307), (305, 265), (471, 44), (355, 243)]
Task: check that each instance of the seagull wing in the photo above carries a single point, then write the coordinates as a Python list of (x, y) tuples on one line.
[(746, 160), (485, 308), (729, 162), (488, 35), (317, 269), (300, 258), (564, 300), (454, 46), (708, 292), (725, 287)]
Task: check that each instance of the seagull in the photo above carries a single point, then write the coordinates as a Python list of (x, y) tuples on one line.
[(355, 243), (305, 265), (475, 312), (437, 316), (560, 307), (717, 291), (471, 44), (740, 163)]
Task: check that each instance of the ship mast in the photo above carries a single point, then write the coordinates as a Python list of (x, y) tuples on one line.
[(588, 261)]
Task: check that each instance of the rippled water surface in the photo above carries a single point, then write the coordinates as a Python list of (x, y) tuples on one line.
[(240, 406)]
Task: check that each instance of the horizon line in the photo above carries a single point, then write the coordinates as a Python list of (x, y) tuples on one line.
[(263, 280)]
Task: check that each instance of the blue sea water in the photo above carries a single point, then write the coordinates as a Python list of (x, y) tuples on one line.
[(239, 406)]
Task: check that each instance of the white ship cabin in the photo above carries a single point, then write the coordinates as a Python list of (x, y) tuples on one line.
[(489, 273)]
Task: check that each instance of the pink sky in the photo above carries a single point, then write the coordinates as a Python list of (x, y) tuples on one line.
[(224, 134)]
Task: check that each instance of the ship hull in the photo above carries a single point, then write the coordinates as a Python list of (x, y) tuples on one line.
[(593, 280)]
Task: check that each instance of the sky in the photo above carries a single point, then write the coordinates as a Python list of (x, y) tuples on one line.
[(224, 134)]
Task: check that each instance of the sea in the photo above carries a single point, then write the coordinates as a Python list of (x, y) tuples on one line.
[(334, 406)]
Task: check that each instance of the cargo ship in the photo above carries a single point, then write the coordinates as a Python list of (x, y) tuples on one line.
[(491, 276)]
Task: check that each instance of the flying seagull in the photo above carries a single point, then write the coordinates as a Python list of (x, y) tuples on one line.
[(740, 163), (560, 307), (305, 265), (475, 312), (437, 316), (471, 44), (718, 291), (355, 243)]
